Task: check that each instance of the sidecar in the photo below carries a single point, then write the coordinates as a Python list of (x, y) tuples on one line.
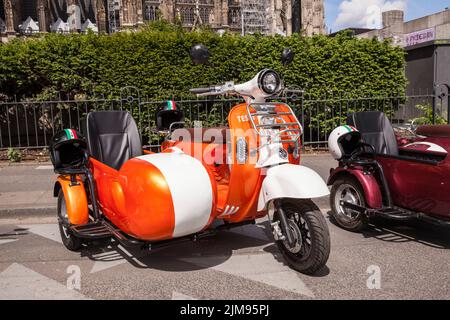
[(377, 176), (145, 198)]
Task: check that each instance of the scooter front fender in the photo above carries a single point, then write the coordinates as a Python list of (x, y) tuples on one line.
[(291, 181), (368, 182)]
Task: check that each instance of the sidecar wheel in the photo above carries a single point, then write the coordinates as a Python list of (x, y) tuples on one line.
[(350, 190), (312, 248), (70, 241)]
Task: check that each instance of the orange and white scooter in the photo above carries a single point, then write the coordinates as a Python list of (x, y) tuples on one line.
[(203, 180)]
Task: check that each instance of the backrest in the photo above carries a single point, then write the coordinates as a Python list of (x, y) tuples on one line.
[(112, 137), (376, 130)]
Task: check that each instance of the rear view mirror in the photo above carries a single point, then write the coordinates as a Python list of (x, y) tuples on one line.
[(287, 57), (199, 54)]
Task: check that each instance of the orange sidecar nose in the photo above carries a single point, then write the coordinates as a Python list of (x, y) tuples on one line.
[(161, 196)]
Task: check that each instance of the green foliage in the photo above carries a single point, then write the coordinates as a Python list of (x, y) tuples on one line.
[(14, 155), (427, 117), (156, 60)]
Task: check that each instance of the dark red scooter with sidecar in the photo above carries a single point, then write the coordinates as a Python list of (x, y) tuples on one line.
[(378, 176)]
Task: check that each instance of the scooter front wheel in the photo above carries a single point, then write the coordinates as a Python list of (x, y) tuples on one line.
[(312, 238), (70, 241)]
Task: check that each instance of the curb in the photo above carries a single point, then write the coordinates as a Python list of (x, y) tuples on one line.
[(27, 212)]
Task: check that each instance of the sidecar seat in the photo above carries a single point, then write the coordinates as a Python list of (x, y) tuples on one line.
[(376, 130), (112, 137)]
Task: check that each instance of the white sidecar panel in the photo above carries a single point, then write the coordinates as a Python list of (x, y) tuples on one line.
[(190, 188)]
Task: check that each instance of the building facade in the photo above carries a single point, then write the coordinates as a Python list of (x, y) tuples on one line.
[(245, 16), (410, 33), (426, 42)]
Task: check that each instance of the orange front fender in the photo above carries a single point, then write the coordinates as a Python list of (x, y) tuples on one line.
[(76, 200)]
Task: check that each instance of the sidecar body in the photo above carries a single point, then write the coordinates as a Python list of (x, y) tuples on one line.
[(397, 181)]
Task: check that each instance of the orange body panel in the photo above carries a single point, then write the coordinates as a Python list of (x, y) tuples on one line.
[(136, 199), (76, 200)]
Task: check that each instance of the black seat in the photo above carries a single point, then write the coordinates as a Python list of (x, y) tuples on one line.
[(112, 137), (376, 130)]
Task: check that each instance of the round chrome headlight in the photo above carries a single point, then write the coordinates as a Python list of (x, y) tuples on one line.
[(269, 82)]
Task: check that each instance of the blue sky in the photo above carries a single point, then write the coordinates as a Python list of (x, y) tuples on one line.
[(367, 13)]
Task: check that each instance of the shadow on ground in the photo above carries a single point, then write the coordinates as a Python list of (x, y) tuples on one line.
[(411, 231)]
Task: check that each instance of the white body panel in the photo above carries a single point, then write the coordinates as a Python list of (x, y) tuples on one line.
[(291, 181), (430, 146), (190, 188), (270, 156)]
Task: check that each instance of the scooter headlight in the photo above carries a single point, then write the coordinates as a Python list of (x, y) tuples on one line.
[(270, 82)]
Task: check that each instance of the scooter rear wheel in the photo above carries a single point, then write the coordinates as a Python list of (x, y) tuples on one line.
[(348, 189), (310, 230), (70, 241)]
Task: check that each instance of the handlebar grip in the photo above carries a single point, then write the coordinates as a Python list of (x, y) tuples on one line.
[(201, 90)]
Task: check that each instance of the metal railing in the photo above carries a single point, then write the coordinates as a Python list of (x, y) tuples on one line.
[(31, 124)]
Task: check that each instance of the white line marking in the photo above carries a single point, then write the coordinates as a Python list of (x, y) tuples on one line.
[(49, 231), (4, 241), (260, 267), (44, 168), (180, 296), (18, 283)]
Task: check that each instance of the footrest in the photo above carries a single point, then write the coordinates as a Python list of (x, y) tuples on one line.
[(394, 213), (94, 230)]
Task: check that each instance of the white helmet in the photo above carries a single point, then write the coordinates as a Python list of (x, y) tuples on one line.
[(343, 140)]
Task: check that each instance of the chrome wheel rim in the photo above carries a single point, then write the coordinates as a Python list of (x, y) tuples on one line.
[(347, 193), (295, 231), (64, 217)]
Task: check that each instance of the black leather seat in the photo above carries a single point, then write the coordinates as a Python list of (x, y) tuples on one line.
[(376, 130), (112, 137)]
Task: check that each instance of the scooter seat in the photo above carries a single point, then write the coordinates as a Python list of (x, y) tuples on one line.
[(376, 130), (112, 137), (201, 135)]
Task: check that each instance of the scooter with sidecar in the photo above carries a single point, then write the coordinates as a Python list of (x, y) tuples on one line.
[(202, 181), (380, 174)]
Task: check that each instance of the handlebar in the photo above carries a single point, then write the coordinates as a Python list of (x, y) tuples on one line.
[(202, 90), (214, 91)]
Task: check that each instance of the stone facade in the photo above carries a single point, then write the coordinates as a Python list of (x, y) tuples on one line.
[(115, 15)]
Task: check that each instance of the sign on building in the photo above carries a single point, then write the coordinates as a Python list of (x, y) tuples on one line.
[(420, 36)]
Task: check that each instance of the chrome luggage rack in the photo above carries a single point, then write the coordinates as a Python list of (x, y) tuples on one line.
[(268, 111)]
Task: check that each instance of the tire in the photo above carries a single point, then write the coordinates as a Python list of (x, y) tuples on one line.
[(70, 241), (306, 220), (350, 189)]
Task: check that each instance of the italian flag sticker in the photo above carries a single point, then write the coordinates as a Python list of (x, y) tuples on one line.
[(171, 105), (71, 134), (350, 128)]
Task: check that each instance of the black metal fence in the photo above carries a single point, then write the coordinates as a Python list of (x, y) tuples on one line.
[(31, 124)]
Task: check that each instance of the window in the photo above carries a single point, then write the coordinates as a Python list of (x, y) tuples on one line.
[(234, 17), (151, 12), (187, 15), (204, 15)]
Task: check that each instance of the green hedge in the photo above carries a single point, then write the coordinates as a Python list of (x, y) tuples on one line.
[(156, 60)]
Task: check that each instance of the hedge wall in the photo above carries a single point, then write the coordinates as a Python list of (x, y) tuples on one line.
[(156, 60)]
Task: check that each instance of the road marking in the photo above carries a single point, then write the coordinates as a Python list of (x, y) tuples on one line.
[(180, 296), (262, 268), (44, 168), (254, 231), (4, 241), (106, 260), (49, 231), (18, 282)]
